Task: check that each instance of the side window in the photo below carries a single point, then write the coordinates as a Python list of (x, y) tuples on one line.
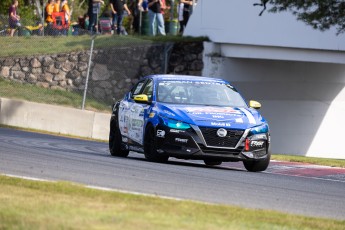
[(148, 89), (137, 89)]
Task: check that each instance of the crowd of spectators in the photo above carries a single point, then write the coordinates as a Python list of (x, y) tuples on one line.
[(57, 16)]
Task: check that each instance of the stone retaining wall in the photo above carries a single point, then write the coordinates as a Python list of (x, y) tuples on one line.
[(113, 70)]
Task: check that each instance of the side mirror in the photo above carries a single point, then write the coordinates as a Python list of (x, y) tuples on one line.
[(254, 104), (141, 98)]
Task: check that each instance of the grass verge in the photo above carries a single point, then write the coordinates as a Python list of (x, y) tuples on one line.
[(28, 46), (27, 204), (310, 160), (15, 90)]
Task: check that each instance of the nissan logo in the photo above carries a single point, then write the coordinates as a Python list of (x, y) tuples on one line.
[(222, 132)]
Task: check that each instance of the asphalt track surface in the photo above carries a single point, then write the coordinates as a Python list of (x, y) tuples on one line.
[(288, 187)]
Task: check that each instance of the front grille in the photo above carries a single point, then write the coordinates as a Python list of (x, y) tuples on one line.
[(220, 151), (229, 141)]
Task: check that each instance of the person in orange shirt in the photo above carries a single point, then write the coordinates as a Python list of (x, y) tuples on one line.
[(66, 10), (57, 6), (48, 13)]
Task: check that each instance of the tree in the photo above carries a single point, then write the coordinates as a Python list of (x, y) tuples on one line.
[(25, 10), (320, 14), (30, 10)]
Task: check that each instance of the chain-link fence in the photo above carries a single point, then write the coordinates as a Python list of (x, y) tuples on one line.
[(94, 68)]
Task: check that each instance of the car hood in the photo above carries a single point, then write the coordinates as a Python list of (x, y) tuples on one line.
[(213, 116)]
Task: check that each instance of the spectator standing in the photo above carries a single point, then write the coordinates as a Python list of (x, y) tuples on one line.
[(93, 12), (164, 7), (142, 5), (180, 16), (57, 6), (66, 10), (187, 5), (48, 14), (117, 8), (155, 16), (13, 18)]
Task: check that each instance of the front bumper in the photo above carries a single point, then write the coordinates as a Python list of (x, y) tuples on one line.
[(198, 143)]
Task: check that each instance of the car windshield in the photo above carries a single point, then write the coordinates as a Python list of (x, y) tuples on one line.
[(198, 93)]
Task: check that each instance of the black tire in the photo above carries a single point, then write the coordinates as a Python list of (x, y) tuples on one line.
[(115, 141), (257, 165), (150, 149), (212, 162)]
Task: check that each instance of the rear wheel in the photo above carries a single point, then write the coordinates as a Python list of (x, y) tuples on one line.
[(212, 163), (115, 141), (150, 149), (257, 165)]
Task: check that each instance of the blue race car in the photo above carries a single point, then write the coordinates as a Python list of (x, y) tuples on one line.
[(189, 117)]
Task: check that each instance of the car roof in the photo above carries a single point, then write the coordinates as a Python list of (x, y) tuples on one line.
[(171, 77)]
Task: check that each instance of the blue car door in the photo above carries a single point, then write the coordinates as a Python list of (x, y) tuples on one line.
[(136, 113)]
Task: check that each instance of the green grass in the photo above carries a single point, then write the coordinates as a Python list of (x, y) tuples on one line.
[(15, 90), (310, 160), (29, 204), (34, 45)]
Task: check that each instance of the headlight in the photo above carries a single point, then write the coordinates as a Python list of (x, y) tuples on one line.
[(259, 129), (174, 124)]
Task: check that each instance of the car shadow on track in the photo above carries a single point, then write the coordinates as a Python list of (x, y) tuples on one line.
[(188, 163)]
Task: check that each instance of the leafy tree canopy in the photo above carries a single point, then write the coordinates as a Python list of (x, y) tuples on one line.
[(320, 14), (27, 8)]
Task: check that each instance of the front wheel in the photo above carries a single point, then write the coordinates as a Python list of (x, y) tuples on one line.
[(150, 149), (257, 165), (115, 141)]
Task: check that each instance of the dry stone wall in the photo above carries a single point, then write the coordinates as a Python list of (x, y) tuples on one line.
[(113, 70)]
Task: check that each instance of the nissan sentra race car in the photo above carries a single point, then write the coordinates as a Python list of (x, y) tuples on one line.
[(189, 117)]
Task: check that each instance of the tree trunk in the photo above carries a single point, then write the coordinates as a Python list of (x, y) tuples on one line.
[(39, 10)]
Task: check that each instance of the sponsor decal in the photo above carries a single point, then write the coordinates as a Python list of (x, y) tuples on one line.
[(160, 133), (152, 115), (224, 124), (137, 123), (169, 113), (257, 144), (180, 140), (222, 132), (239, 120), (260, 136), (124, 129), (176, 131), (217, 116), (191, 82), (141, 114), (212, 110)]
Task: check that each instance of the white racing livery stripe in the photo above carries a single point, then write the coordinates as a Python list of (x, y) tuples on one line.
[(250, 116)]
